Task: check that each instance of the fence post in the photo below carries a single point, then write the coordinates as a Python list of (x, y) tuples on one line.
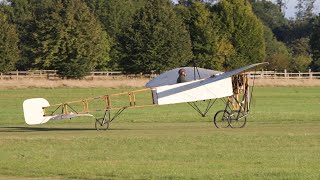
[(285, 73), (299, 75), (17, 74), (1, 74), (261, 75), (310, 74)]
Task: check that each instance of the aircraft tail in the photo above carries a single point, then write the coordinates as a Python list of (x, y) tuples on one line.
[(33, 111)]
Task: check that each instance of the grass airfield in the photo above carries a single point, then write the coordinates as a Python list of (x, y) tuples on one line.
[(280, 141)]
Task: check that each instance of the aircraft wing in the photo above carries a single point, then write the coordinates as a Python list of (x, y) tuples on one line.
[(192, 91), (210, 88), (237, 71)]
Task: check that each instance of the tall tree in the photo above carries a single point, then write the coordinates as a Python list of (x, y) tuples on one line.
[(9, 52), (157, 40), (269, 14), (204, 36), (243, 29), (315, 45), (68, 38), (22, 16), (115, 16), (277, 54)]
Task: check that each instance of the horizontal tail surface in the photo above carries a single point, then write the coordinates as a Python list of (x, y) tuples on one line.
[(33, 111)]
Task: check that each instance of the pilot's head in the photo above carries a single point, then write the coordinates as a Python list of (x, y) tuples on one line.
[(182, 71)]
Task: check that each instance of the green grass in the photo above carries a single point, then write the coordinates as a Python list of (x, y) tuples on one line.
[(280, 141)]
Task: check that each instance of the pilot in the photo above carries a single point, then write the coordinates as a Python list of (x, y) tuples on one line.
[(182, 76)]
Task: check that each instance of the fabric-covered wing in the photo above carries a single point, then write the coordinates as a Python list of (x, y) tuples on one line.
[(192, 91), (170, 77), (236, 71), (210, 88)]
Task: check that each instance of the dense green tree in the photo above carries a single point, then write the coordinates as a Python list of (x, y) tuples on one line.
[(300, 63), (9, 52), (22, 16), (204, 36), (277, 54), (243, 29), (269, 14), (68, 38), (315, 45), (301, 57), (300, 47), (157, 40), (115, 16), (189, 3)]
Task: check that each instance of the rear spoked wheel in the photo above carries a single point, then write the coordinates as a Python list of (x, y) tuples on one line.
[(102, 124), (221, 119), (237, 119)]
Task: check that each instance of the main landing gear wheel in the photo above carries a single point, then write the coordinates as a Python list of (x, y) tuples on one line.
[(237, 121), (221, 119), (102, 124)]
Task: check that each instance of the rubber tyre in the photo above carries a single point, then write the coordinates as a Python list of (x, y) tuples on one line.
[(221, 119), (237, 123), (100, 125)]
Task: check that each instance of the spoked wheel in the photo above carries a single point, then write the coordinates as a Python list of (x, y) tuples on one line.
[(221, 119), (102, 124), (237, 119)]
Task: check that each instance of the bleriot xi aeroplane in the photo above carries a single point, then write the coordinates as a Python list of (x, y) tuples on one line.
[(206, 85)]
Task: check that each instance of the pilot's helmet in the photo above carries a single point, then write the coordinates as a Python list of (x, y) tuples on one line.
[(181, 71)]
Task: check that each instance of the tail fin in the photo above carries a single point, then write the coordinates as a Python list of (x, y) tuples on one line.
[(33, 111)]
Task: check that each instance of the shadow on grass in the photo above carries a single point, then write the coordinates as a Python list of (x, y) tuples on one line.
[(33, 129)]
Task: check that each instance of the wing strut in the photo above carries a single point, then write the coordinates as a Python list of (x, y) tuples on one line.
[(206, 110)]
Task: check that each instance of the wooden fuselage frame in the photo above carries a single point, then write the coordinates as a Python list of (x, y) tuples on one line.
[(66, 108)]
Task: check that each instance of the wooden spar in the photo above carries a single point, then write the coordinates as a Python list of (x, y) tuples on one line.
[(63, 107)]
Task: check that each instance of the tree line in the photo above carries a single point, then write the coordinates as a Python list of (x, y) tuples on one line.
[(134, 36)]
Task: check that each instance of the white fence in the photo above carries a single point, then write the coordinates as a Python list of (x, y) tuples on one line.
[(52, 74), (283, 75)]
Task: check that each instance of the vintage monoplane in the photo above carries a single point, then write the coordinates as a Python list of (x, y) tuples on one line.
[(206, 85)]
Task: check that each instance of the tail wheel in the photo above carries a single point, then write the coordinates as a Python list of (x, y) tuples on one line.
[(237, 119), (221, 119), (102, 124)]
